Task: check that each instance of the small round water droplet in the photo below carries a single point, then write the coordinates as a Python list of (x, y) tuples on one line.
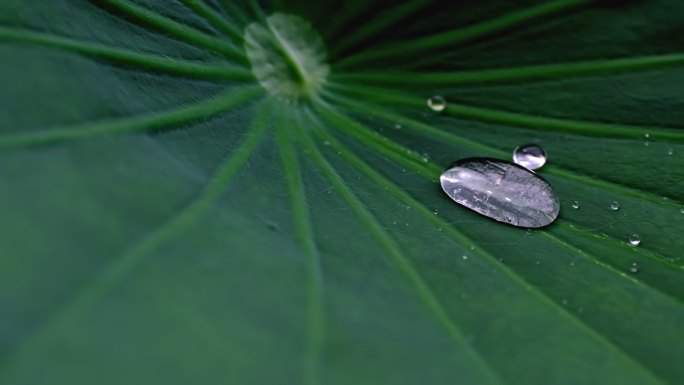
[(647, 135), (615, 206), (403, 170), (465, 257), (634, 268), (326, 143), (437, 103), (647, 143), (634, 240), (670, 151), (435, 211), (398, 126), (681, 210), (425, 157), (529, 156), (575, 205)]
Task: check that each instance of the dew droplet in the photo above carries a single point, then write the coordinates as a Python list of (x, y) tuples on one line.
[(503, 191), (437, 103), (575, 205), (615, 206), (634, 268), (398, 126), (465, 257), (634, 240), (681, 210), (425, 157), (564, 301), (435, 211), (647, 135), (529, 156), (326, 143), (670, 151)]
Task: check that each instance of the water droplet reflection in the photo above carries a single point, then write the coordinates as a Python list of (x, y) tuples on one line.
[(502, 191), (615, 206), (437, 103), (575, 205), (529, 156), (635, 240), (634, 268)]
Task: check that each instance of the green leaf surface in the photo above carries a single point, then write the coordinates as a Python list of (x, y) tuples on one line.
[(202, 192)]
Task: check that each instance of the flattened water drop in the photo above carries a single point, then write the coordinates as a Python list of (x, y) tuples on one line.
[(529, 156), (503, 191), (437, 103), (635, 240)]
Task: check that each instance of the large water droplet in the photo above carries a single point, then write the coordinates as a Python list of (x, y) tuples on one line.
[(634, 240), (501, 190), (615, 206), (437, 103), (529, 156), (575, 205)]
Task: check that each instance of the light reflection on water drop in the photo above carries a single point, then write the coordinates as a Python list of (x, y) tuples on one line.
[(634, 268), (635, 240), (437, 103), (503, 191), (615, 206), (670, 151), (575, 205), (529, 156)]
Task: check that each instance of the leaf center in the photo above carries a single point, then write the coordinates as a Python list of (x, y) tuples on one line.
[(288, 57)]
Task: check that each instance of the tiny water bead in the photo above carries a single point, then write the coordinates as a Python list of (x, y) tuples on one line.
[(437, 103), (529, 156), (501, 190), (575, 205), (634, 268), (615, 206), (634, 240), (670, 151)]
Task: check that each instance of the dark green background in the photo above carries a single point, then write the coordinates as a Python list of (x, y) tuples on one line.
[(163, 220)]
